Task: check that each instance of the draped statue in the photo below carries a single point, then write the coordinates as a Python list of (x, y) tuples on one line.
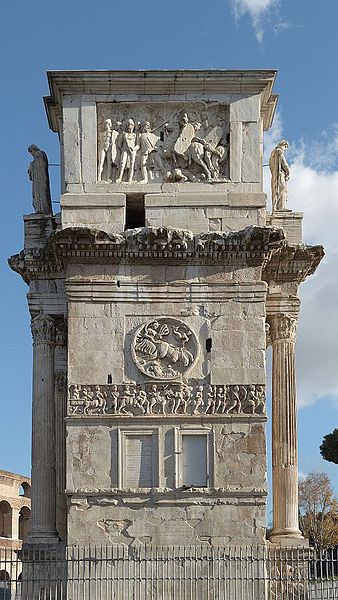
[(38, 174), (280, 174)]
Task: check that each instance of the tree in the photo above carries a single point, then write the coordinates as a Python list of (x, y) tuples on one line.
[(329, 447), (318, 511)]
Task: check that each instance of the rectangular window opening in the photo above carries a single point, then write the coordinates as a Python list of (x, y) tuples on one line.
[(135, 211)]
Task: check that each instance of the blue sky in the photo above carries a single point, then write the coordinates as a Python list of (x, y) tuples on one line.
[(297, 38)]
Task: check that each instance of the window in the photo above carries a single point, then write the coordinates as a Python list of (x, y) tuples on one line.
[(193, 464), (138, 458)]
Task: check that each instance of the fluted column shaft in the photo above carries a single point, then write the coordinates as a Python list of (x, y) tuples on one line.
[(43, 527), (284, 429)]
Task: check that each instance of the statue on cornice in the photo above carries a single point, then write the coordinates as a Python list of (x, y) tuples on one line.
[(39, 176), (280, 174)]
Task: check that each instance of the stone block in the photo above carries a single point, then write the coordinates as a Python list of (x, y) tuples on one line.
[(99, 211), (72, 139), (88, 141), (236, 145), (245, 109), (251, 153), (291, 222)]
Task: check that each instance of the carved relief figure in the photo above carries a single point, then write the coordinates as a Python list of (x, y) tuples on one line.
[(280, 174), (148, 144), (39, 176), (164, 348), (128, 149), (104, 149), (199, 400)]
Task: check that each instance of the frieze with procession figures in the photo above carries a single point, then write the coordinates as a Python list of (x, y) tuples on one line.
[(156, 399)]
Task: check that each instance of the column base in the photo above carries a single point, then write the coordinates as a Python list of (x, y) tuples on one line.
[(288, 537), (42, 537)]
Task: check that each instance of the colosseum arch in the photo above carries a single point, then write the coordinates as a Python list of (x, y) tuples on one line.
[(5, 519), (24, 522), (25, 489)]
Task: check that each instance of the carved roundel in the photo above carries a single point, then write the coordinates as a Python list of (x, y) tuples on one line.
[(164, 348)]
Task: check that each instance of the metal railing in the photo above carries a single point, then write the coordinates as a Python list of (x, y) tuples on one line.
[(168, 573)]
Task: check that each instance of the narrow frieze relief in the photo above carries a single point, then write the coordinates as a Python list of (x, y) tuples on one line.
[(157, 142), (156, 399), (164, 348)]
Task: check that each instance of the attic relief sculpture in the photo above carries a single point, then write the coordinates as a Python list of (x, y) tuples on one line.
[(164, 348), (147, 142)]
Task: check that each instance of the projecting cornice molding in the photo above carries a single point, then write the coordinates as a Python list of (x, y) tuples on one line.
[(250, 246), (292, 263), (160, 83)]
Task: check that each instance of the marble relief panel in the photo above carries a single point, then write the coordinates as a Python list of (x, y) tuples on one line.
[(156, 142)]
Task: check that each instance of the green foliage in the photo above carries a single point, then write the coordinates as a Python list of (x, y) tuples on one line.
[(329, 447)]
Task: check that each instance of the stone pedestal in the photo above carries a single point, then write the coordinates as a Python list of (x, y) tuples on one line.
[(284, 430), (43, 529)]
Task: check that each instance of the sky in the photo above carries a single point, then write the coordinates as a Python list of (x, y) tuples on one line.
[(297, 38)]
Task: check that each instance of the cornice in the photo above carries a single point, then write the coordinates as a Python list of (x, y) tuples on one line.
[(251, 246), (168, 82), (288, 263)]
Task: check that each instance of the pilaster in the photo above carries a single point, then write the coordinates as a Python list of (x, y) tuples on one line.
[(60, 433)]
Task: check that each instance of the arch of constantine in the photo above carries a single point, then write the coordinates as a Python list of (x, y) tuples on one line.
[(153, 295)]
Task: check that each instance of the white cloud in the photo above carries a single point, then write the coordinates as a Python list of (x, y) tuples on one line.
[(257, 10), (313, 189)]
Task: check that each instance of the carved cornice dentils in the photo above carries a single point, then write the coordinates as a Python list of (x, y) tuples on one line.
[(292, 263), (251, 245), (43, 329), (283, 327)]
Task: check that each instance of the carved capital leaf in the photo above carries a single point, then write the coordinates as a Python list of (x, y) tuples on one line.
[(283, 327), (43, 328)]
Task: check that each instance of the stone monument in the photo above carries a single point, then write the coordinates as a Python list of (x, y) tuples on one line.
[(153, 296)]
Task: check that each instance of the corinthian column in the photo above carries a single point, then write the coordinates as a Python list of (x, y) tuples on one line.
[(43, 529), (284, 430)]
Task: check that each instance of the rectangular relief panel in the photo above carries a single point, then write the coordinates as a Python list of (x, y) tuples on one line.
[(145, 142)]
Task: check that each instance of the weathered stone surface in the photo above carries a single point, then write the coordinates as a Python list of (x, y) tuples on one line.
[(164, 267)]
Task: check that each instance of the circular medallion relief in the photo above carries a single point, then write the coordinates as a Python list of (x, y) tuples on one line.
[(164, 348)]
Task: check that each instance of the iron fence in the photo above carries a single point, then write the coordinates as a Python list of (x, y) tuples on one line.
[(168, 573)]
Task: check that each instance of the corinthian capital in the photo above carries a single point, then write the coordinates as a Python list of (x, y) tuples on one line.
[(282, 327), (43, 328)]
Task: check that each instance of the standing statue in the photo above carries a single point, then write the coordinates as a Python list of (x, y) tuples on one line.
[(280, 174), (38, 174)]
